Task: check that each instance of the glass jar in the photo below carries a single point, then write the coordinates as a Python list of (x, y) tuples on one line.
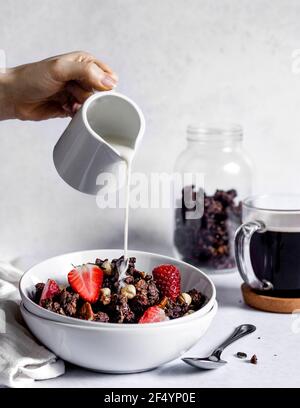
[(215, 154)]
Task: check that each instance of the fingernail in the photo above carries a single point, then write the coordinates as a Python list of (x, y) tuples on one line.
[(108, 82), (114, 76)]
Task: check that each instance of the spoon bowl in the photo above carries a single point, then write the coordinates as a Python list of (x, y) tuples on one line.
[(209, 363)]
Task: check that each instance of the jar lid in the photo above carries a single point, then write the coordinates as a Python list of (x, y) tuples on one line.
[(214, 132)]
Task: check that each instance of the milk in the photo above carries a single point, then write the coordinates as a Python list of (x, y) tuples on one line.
[(126, 153)]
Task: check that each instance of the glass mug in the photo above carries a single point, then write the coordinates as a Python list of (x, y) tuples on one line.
[(267, 244)]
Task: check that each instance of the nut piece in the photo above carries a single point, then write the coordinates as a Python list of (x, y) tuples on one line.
[(185, 298), (107, 268), (86, 312), (163, 303), (105, 296), (129, 291)]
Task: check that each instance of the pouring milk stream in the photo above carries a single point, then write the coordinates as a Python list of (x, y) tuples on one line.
[(103, 134), (127, 154)]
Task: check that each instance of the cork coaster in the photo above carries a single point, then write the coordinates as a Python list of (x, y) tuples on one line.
[(269, 303)]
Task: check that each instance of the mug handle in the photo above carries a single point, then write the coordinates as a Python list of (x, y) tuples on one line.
[(242, 240)]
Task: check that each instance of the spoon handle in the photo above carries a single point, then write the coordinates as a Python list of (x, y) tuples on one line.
[(238, 333)]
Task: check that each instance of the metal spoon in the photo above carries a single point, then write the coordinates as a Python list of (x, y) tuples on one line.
[(214, 360)]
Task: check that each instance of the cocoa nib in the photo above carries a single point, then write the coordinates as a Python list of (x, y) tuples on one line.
[(53, 306), (68, 301), (175, 309), (38, 292), (198, 299), (253, 359), (111, 282), (101, 317), (153, 293), (139, 304), (119, 311), (147, 294)]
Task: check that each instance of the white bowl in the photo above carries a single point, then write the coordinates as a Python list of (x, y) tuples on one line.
[(117, 348), (58, 267)]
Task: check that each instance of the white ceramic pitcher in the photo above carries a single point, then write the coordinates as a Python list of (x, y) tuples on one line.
[(83, 151)]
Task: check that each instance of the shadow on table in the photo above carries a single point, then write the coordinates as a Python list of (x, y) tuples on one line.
[(85, 373), (179, 369), (168, 369)]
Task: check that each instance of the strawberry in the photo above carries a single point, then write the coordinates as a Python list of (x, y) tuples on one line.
[(167, 279), (153, 314), (50, 289), (86, 280)]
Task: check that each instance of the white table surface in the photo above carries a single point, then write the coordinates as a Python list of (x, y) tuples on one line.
[(275, 342)]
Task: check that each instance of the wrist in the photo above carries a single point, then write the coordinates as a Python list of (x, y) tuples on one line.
[(7, 108)]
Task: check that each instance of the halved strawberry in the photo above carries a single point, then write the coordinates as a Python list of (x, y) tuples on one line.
[(153, 314), (86, 280), (167, 279), (50, 289)]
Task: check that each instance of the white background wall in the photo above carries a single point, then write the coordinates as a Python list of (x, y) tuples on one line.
[(182, 61)]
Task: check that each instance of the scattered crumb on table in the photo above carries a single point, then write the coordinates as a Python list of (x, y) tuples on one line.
[(241, 354), (253, 359)]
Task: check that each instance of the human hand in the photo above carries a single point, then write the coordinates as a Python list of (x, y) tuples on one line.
[(55, 87)]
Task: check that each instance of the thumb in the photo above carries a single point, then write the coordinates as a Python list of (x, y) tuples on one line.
[(89, 75)]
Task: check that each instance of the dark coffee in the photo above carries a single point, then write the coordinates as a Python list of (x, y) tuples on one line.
[(275, 257)]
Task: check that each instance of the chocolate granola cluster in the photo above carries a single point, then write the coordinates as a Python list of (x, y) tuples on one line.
[(117, 303), (207, 241)]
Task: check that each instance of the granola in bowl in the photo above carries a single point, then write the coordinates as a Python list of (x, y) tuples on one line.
[(95, 293)]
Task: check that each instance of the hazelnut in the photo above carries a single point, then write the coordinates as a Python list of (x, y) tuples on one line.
[(185, 298), (105, 296), (129, 291), (107, 268)]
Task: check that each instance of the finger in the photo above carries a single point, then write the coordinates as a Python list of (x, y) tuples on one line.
[(88, 74), (84, 56), (107, 69), (79, 93), (73, 56)]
